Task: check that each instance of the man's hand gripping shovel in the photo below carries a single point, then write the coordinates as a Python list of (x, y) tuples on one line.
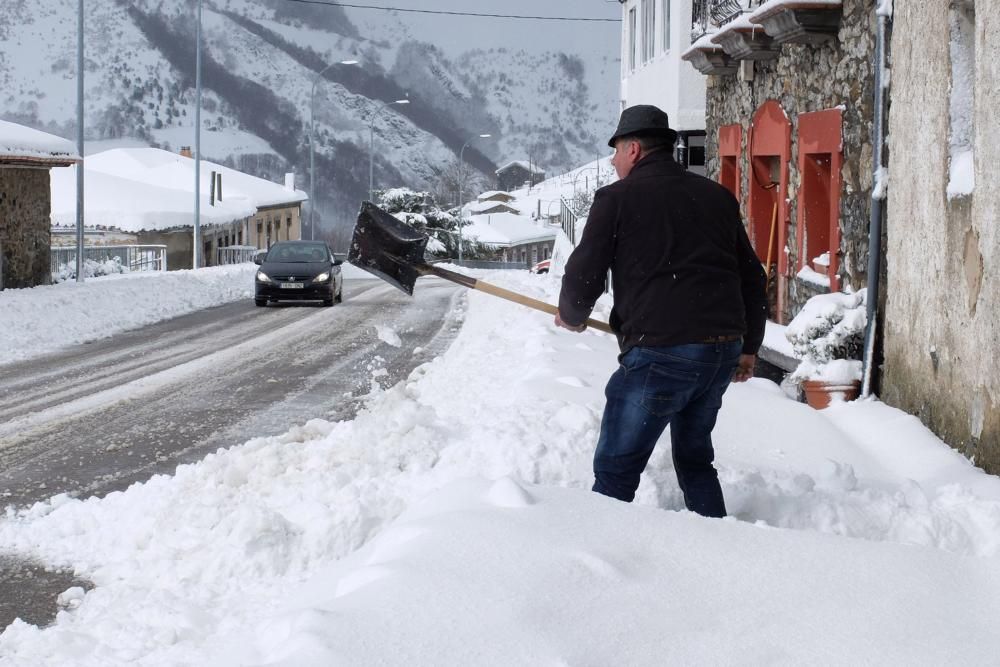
[(394, 251)]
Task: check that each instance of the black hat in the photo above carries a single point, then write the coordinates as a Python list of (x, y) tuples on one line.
[(643, 119)]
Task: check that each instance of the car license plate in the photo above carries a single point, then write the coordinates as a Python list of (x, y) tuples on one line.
[(292, 285)]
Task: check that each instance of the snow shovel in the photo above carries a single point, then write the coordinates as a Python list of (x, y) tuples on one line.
[(394, 251)]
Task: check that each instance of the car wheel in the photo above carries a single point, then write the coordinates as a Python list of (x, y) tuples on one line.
[(340, 295), (260, 303)]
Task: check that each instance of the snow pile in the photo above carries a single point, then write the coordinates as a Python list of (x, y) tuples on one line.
[(828, 335), (91, 269), (42, 319), (20, 141), (504, 573), (381, 541)]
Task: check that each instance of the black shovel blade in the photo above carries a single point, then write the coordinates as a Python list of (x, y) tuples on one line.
[(387, 248)]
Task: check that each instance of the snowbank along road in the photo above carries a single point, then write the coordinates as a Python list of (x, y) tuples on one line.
[(95, 418)]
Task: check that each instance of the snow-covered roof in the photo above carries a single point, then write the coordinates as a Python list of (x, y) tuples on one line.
[(742, 23), (703, 43), (506, 229), (23, 145), (137, 189), (771, 6), (524, 165), (495, 195), (478, 207)]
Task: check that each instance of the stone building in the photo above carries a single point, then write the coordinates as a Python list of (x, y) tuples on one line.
[(942, 315), (26, 156), (789, 112)]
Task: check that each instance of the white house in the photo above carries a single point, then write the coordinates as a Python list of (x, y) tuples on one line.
[(654, 35), (517, 237), (150, 192)]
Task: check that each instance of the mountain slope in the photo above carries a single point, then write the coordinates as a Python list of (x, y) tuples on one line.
[(550, 102)]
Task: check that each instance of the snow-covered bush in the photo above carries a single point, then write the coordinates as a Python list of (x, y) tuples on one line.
[(420, 211), (828, 337), (91, 269)]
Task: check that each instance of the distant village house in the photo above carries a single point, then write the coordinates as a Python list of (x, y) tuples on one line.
[(516, 174)]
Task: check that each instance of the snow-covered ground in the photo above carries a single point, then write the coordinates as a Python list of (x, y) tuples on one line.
[(39, 320), (450, 523)]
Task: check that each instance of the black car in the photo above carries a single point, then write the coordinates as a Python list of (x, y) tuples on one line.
[(298, 271)]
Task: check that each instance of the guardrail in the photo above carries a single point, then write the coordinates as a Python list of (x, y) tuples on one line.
[(62, 260), (568, 219), (236, 254)]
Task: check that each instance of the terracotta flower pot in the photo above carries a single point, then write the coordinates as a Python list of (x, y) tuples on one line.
[(819, 393)]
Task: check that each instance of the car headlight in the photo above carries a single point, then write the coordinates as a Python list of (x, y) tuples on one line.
[(263, 277), (322, 278)]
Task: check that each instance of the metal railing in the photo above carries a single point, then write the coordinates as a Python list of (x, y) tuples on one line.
[(724, 11), (568, 219), (236, 254), (131, 257), (700, 10), (708, 15)]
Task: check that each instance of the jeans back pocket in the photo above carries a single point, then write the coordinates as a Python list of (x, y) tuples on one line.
[(668, 388)]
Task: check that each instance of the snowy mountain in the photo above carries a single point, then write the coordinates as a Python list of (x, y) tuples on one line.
[(545, 90)]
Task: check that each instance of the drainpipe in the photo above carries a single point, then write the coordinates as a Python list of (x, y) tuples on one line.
[(884, 12)]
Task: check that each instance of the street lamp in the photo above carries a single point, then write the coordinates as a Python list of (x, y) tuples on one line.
[(371, 145), (461, 183), (312, 142)]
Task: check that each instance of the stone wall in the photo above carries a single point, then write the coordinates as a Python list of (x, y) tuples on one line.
[(808, 78), (25, 205), (942, 320)]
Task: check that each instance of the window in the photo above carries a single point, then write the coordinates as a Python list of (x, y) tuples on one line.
[(288, 228), (665, 24), (648, 29), (632, 37)]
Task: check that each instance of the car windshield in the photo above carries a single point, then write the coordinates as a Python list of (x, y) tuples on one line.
[(298, 253)]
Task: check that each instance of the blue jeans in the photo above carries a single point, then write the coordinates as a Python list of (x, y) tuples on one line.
[(679, 385)]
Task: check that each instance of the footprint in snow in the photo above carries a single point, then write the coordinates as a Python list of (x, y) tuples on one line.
[(572, 381)]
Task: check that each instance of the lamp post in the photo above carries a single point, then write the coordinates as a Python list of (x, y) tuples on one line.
[(79, 146), (196, 241), (461, 183), (371, 145), (312, 143)]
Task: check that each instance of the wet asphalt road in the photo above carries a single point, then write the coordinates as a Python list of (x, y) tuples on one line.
[(95, 418)]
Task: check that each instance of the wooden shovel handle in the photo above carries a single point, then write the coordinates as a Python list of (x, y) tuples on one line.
[(516, 297)]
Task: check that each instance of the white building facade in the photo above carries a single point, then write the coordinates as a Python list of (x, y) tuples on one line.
[(654, 35)]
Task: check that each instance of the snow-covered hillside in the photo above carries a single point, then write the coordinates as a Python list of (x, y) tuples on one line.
[(544, 90)]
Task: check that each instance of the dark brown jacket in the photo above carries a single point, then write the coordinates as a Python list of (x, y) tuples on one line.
[(682, 267)]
